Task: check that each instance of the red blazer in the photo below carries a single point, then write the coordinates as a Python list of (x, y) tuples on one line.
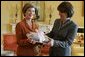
[(24, 47)]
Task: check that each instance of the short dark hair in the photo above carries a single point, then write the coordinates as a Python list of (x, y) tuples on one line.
[(28, 5), (66, 7)]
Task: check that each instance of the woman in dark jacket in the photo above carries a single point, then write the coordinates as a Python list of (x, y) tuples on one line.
[(63, 31)]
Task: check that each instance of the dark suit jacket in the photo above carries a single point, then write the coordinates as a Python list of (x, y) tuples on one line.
[(63, 36), (24, 47)]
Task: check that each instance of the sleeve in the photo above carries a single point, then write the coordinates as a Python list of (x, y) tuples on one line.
[(51, 32), (19, 36), (69, 39)]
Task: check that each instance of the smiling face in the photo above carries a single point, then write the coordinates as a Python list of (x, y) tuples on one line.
[(30, 13)]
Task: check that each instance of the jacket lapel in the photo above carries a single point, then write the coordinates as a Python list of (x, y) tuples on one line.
[(65, 24)]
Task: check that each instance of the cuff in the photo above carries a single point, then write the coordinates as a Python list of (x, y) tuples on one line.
[(52, 42)]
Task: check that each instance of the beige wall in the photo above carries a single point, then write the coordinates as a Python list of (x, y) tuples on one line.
[(78, 15), (8, 10)]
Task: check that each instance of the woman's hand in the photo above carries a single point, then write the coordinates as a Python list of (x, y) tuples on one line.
[(33, 41), (30, 40), (49, 43)]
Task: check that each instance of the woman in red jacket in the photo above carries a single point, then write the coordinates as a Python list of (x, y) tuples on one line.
[(27, 25)]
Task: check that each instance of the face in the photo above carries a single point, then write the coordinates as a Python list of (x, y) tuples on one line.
[(62, 15), (30, 13)]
